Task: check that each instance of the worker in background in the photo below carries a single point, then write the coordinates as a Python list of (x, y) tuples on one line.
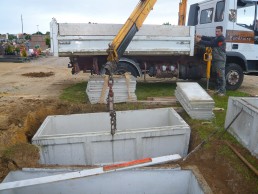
[(218, 46)]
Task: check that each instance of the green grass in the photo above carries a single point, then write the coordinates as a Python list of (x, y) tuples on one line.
[(222, 102), (144, 90), (75, 93)]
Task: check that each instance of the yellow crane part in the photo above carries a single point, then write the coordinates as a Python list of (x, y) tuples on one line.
[(208, 58), (182, 12), (126, 33)]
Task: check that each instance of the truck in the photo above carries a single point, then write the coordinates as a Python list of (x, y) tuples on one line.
[(167, 51)]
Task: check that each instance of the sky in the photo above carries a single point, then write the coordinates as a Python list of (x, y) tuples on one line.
[(36, 15)]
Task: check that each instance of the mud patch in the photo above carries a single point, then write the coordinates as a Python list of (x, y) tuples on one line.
[(39, 74)]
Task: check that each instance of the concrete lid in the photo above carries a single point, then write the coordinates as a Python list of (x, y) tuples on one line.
[(194, 92)]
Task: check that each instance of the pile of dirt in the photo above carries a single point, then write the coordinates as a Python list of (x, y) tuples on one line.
[(39, 74)]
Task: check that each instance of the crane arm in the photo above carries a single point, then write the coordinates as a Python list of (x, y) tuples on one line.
[(125, 35), (182, 12)]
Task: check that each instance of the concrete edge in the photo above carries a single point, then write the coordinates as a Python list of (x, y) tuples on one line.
[(201, 180)]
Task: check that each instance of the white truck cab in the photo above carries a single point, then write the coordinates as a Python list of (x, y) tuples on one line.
[(240, 28)]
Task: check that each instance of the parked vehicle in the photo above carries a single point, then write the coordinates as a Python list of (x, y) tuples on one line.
[(165, 50)]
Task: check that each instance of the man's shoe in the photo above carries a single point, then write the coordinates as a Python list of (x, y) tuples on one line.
[(221, 94)]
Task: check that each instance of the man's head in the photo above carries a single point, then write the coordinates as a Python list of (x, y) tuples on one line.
[(219, 30)]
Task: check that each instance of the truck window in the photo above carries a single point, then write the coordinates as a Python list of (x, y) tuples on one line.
[(219, 14), (245, 17), (206, 16)]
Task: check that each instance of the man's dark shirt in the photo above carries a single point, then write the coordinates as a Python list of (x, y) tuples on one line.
[(218, 45)]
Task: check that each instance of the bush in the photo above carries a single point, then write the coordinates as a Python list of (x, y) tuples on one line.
[(10, 49), (23, 53)]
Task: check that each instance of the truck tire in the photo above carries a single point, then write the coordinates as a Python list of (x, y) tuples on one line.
[(234, 76), (124, 67)]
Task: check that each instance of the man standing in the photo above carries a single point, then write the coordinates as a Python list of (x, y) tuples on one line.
[(218, 46)]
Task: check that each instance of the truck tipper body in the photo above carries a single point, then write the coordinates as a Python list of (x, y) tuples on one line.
[(87, 43), (155, 49)]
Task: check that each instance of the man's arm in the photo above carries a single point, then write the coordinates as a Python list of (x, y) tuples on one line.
[(207, 38), (216, 42), (198, 38)]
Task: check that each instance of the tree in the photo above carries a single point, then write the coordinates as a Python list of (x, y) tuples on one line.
[(27, 37), (47, 39), (11, 37), (167, 23), (47, 33), (39, 33)]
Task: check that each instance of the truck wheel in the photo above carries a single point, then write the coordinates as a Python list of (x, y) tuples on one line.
[(234, 76), (123, 67)]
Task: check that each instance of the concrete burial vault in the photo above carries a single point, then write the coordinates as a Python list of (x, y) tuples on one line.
[(242, 114), (138, 181), (85, 139)]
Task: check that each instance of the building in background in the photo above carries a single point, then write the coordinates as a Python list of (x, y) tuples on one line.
[(38, 40)]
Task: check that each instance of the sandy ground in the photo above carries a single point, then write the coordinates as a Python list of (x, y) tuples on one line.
[(26, 101), (14, 84), (250, 85)]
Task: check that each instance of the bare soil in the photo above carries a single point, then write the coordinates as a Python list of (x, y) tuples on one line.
[(39, 74), (25, 101)]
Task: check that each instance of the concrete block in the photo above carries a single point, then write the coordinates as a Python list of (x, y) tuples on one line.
[(85, 139), (245, 127)]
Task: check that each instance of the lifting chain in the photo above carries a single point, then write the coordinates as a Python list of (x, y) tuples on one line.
[(110, 104)]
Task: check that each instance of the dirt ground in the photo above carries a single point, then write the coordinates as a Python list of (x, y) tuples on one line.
[(29, 92)]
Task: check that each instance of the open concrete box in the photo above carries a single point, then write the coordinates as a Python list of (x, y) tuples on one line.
[(146, 180), (85, 139), (245, 126)]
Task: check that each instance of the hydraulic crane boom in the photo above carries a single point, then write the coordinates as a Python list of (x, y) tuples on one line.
[(125, 35), (182, 12)]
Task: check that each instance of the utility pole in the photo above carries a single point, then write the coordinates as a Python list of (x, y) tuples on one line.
[(22, 23)]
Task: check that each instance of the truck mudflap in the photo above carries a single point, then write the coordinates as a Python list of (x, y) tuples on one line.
[(134, 64)]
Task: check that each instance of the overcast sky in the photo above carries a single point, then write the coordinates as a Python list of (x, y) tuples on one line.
[(38, 14)]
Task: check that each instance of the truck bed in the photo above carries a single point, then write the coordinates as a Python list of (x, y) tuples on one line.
[(80, 39)]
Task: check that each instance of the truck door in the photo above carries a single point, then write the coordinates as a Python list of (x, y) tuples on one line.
[(244, 34), (211, 14)]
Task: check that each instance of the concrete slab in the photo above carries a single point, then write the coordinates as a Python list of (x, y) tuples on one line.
[(194, 92), (245, 127), (124, 88), (195, 100), (85, 139)]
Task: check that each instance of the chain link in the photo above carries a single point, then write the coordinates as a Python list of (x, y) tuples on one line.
[(110, 104)]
